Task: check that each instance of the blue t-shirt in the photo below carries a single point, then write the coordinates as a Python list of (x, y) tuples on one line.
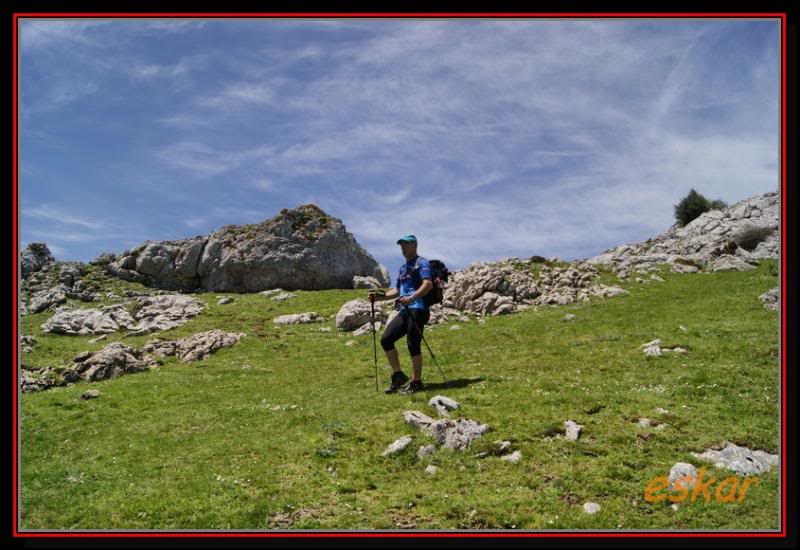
[(405, 282)]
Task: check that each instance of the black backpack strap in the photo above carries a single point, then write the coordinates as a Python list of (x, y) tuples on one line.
[(415, 273)]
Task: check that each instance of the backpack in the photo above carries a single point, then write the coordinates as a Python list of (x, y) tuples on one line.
[(439, 276)]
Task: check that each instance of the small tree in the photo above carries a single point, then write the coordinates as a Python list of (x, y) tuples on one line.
[(690, 207), (694, 204)]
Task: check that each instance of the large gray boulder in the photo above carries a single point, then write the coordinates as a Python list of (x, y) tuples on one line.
[(740, 460), (163, 312), (112, 361), (34, 257), (193, 348), (44, 299), (511, 285), (80, 322), (50, 282), (150, 314), (455, 434), (356, 313), (729, 262), (302, 248)]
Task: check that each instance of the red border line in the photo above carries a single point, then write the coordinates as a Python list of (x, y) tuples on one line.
[(340, 534), (15, 347), (783, 274), (340, 15), (605, 15)]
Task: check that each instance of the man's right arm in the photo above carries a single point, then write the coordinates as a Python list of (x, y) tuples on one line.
[(389, 295)]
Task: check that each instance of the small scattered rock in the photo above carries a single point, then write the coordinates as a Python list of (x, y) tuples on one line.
[(91, 394), (659, 410), (569, 317), (431, 469), (299, 318), (283, 296), (443, 404), (224, 300), (514, 457), (325, 329), (451, 434), (397, 446), (652, 348), (682, 475), (644, 422), (271, 292), (27, 340), (572, 430), (771, 299), (426, 450), (455, 327), (367, 328), (656, 278), (677, 350), (591, 508)]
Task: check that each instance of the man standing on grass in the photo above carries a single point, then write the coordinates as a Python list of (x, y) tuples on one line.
[(414, 281)]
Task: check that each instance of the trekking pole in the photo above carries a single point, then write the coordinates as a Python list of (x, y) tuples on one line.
[(374, 345), (435, 362)]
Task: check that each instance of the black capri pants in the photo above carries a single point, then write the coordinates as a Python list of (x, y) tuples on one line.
[(403, 325)]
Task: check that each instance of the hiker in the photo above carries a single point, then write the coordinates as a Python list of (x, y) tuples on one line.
[(414, 281)]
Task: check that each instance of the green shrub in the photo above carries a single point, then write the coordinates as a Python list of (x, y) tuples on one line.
[(694, 204), (717, 205), (749, 237)]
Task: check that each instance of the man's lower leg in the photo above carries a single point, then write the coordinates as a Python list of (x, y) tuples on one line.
[(394, 359), (416, 365)]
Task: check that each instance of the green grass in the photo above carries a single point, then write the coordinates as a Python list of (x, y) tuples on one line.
[(212, 445)]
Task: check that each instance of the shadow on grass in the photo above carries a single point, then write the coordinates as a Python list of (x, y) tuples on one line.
[(458, 383)]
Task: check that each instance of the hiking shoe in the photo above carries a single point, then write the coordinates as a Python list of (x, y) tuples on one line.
[(398, 379), (413, 387)]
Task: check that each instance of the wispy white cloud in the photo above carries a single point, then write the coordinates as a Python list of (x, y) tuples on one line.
[(43, 33), (60, 215), (74, 236)]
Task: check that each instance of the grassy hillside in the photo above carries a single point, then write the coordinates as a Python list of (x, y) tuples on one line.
[(295, 440)]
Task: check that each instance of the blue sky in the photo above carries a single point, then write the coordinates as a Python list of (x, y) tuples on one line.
[(485, 139)]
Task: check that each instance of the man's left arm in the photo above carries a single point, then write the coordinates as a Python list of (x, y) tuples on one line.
[(427, 281), (424, 288)]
